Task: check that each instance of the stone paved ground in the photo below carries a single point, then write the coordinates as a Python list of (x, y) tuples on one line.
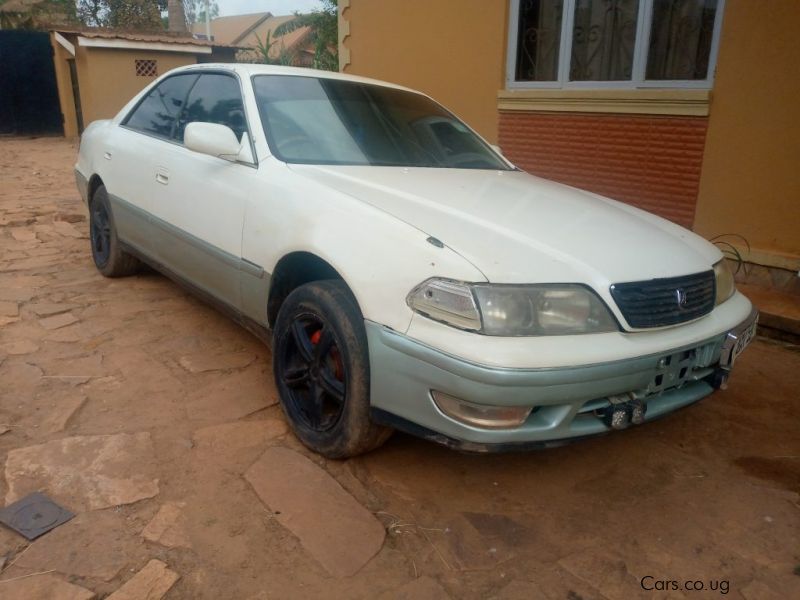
[(108, 404)]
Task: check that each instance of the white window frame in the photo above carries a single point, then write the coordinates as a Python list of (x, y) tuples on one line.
[(641, 48)]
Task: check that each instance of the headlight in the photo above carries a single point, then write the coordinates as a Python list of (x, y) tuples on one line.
[(513, 310), (724, 278)]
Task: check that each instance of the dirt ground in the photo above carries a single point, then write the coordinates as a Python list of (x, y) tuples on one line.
[(142, 410)]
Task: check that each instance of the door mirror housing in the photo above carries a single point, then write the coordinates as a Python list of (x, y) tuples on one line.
[(212, 139)]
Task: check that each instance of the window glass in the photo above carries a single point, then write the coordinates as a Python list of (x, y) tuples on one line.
[(538, 39), (329, 121), (157, 113), (680, 39), (603, 40), (215, 98)]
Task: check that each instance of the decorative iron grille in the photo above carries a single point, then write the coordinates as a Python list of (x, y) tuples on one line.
[(146, 68)]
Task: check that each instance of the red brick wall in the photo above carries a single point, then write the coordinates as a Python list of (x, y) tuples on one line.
[(651, 162)]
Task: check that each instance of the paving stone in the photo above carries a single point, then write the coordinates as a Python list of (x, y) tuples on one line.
[(10, 294), (230, 443), (168, 527), (58, 321), (44, 587), (68, 230), (203, 361), (63, 409), (23, 234), (90, 365), (336, 530), (232, 396), (96, 544), (421, 588), (151, 583), (85, 472), (46, 309), (9, 309), (19, 347), (37, 262)]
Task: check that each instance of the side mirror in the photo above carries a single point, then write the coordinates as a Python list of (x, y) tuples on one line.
[(213, 139)]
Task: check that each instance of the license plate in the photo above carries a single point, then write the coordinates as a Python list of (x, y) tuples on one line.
[(743, 341)]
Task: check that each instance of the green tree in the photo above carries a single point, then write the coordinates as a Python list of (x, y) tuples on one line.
[(19, 14), (323, 24), (142, 15)]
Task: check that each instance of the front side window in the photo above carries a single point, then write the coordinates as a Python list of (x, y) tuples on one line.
[(622, 43), (329, 121), (215, 98), (158, 112)]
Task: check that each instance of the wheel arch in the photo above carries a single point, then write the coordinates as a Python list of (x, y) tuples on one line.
[(293, 270), (94, 183)]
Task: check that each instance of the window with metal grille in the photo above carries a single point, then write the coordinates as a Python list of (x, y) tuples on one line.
[(146, 68), (613, 43)]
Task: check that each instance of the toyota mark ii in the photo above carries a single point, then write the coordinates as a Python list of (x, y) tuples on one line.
[(406, 274)]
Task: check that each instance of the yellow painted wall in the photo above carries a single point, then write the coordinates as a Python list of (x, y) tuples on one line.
[(108, 79), (453, 50), (64, 88), (750, 183)]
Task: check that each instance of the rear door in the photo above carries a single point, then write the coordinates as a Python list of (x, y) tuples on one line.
[(199, 200)]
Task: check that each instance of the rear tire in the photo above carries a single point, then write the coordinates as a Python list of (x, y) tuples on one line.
[(321, 366), (109, 257)]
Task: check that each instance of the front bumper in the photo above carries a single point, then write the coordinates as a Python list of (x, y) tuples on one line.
[(83, 186), (569, 402)]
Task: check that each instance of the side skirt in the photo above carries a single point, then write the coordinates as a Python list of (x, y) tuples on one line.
[(262, 333)]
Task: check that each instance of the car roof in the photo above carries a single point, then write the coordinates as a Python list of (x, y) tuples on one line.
[(248, 70)]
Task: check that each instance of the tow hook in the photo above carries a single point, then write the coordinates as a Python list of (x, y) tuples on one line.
[(623, 410)]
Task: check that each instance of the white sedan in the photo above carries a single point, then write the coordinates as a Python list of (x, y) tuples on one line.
[(406, 274)]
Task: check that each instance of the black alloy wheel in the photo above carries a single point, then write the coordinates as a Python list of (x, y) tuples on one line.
[(320, 361), (107, 251), (100, 233), (312, 369)]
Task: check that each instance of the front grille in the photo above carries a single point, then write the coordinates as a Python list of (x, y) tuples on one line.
[(667, 301)]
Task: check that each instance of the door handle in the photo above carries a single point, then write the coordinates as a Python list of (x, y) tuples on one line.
[(162, 177), (107, 155)]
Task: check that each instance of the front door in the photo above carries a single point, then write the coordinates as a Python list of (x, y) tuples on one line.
[(199, 200)]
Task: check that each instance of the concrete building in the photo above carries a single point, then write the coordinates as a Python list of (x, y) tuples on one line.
[(97, 72)]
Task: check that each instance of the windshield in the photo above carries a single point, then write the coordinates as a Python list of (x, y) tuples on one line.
[(329, 121)]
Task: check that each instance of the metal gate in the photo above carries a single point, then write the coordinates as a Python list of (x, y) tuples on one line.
[(28, 95)]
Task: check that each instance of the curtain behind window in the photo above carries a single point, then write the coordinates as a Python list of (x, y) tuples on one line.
[(680, 39)]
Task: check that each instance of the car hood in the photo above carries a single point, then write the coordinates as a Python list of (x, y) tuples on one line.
[(518, 228)]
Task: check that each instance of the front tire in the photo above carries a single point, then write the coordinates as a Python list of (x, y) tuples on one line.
[(109, 257), (321, 366)]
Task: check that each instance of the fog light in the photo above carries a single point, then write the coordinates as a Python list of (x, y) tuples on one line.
[(481, 415)]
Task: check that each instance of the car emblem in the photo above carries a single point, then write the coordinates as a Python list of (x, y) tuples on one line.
[(680, 296)]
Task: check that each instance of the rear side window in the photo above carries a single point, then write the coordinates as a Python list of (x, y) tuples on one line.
[(214, 99), (157, 114)]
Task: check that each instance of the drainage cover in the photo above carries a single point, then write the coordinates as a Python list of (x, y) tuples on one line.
[(34, 515)]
